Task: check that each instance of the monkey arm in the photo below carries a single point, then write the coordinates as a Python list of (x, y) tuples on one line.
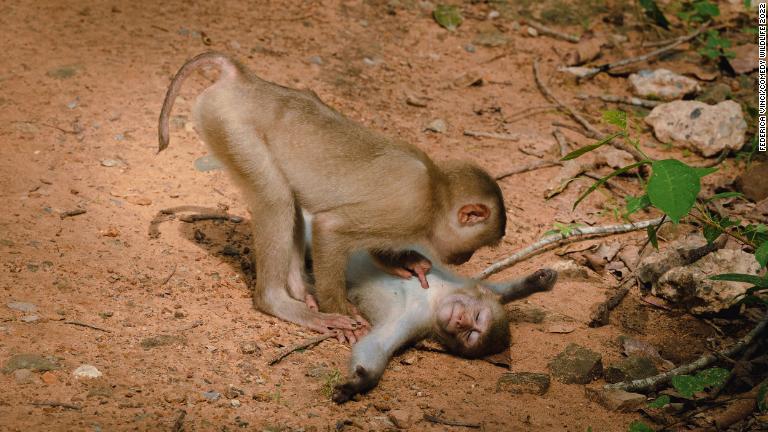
[(516, 289), (404, 264)]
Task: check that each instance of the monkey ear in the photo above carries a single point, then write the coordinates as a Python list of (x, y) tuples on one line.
[(471, 214)]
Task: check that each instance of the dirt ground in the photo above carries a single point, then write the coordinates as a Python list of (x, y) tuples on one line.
[(81, 85)]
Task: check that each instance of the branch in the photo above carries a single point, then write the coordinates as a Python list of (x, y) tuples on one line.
[(551, 32), (627, 100), (530, 167), (577, 234), (300, 346), (702, 362), (501, 136)]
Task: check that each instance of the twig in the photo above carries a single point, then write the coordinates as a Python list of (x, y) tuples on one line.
[(562, 141), (578, 117), (501, 136), (209, 216), (530, 167), (576, 234), (82, 324), (703, 361), (655, 53), (600, 314), (168, 278), (627, 100), (438, 420), (178, 425), (57, 405), (300, 346), (70, 213), (551, 32), (723, 154)]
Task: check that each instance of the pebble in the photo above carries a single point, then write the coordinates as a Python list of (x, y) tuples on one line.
[(62, 72), (22, 306), (470, 48), (208, 163), (86, 371), (249, 348), (23, 376), (110, 163), (437, 125), (234, 403), (662, 84), (73, 103), (30, 318), (532, 32), (49, 378), (576, 365), (32, 362), (315, 60), (402, 419), (212, 396)]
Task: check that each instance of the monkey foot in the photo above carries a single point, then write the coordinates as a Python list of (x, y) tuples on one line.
[(311, 302), (359, 382)]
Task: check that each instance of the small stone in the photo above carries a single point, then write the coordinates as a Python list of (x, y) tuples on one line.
[(73, 103), (616, 400), (211, 395), (62, 72), (493, 14), (32, 362), (234, 403), (138, 200), (568, 269), (119, 137), (437, 125), (490, 36), (315, 60), (470, 48), (161, 340), (233, 45), (174, 397), (22, 306), (101, 391), (249, 348), (23, 376), (49, 378), (576, 365), (753, 183), (109, 163), (706, 129), (629, 369), (408, 360), (715, 93), (86, 371), (415, 101), (523, 382), (208, 163), (230, 250), (532, 32), (110, 232), (662, 84), (179, 314), (402, 419), (30, 318), (745, 58), (677, 253)]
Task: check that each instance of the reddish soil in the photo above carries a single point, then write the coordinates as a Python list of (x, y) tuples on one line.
[(82, 84)]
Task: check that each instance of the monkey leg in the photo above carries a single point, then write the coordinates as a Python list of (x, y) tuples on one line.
[(330, 253)]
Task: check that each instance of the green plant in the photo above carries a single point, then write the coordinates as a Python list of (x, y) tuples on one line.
[(688, 385), (715, 46), (698, 11), (330, 381)]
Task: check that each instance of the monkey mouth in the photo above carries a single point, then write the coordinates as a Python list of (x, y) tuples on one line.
[(451, 315)]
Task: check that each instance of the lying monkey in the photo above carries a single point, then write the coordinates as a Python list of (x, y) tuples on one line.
[(287, 150), (465, 315)]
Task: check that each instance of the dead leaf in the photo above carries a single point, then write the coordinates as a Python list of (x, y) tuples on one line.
[(746, 58), (644, 349)]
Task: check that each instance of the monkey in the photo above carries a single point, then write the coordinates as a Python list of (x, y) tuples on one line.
[(287, 150), (464, 315)]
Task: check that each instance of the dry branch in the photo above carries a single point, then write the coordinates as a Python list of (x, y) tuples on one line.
[(577, 234), (599, 315), (627, 100), (702, 362), (82, 324), (541, 28), (530, 167), (438, 420), (300, 346), (494, 135), (562, 142)]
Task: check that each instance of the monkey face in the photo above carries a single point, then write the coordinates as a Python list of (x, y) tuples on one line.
[(464, 318)]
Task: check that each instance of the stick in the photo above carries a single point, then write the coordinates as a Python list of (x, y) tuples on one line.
[(82, 324), (178, 425), (655, 53), (702, 362), (303, 345), (551, 32), (480, 134), (627, 100), (173, 272), (577, 234), (209, 216), (562, 142), (578, 117), (57, 405), (438, 420), (599, 315), (70, 213), (530, 167)]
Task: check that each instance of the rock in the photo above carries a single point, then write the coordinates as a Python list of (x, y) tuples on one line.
[(576, 365), (567, 269), (468, 79), (211, 395), (23, 376), (630, 368), (470, 48), (745, 60), (437, 125), (662, 84), (62, 72), (32, 362), (691, 287), (706, 129), (532, 32), (208, 163), (174, 397), (616, 158), (523, 382), (678, 253), (753, 183), (86, 371), (22, 306), (636, 347), (402, 419), (415, 101), (490, 36), (585, 51), (161, 340), (138, 200), (409, 360), (49, 378), (249, 348), (109, 163), (315, 60), (615, 400), (230, 250), (715, 93), (30, 318), (234, 403)]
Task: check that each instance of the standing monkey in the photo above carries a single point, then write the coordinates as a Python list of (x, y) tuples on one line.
[(287, 150)]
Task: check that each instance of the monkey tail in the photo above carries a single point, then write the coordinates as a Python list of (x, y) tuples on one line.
[(228, 69)]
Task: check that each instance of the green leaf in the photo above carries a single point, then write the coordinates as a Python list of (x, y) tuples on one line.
[(448, 16), (706, 10), (638, 426), (761, 254), (687, 385), (616, 118), (586, 149), (724, 195), (673, 187), (713, 377), (660, 402), (762, 404), (711, 233), (635, 204), (757, 281), (653, 12), (602, 181), (651, 230)]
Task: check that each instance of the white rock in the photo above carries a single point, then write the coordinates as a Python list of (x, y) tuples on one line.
[(706, 129), (86, 371), (437, 125), (691, 287), (22, 306), (662, 84)]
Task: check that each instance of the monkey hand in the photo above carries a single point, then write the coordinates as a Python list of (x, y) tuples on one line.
[(541, 280), (363, 327), (405, 265), (360, 382)]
